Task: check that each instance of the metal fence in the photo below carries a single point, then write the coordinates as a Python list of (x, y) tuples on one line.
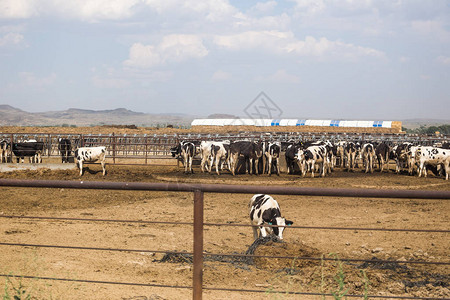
[(148, 148), (198, 223)]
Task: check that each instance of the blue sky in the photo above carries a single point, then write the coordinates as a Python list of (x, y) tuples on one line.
[(325, 59)]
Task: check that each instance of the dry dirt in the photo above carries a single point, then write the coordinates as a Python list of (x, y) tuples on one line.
[(147, 266)]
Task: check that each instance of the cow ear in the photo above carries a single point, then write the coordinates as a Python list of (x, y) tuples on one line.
[(289, 223)]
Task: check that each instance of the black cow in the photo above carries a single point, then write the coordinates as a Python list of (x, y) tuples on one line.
[(65, 148), (382, 153), (245, 149), (291, 157), (33, 150)]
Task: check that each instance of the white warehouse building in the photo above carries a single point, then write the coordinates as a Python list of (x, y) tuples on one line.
[(293, 123)]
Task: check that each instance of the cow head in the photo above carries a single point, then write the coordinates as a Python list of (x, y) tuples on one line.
[(282, 222), (175, 151)]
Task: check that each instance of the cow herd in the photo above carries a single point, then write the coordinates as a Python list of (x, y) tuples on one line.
[(318, 157), (34, 150)]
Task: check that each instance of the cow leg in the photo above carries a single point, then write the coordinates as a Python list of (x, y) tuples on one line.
[(263, 231), (80, 166), (255, 232), (269, 170), (190, 165), (217, 166), (103, 167)]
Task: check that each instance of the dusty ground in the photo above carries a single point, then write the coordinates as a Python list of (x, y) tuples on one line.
[(145, 266)]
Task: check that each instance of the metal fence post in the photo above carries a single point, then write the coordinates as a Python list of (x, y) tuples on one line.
[(197, 284)]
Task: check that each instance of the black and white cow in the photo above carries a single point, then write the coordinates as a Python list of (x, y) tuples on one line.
[(31, 149), (311, 156), (4, 151), (434, 157), (264, 210), (91, 154), (65, 149), (351, 153), (382, 153), (340, 153), (272, 153), (401, 156), (245, 149), (368, 156), (291, 157), (187, 151), (219, 155)]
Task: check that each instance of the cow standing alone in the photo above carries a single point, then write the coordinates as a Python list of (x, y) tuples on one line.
[(91, 154), (265, 210), (65, 148)]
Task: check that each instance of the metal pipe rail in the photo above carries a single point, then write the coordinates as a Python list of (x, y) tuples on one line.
[(200, 189)]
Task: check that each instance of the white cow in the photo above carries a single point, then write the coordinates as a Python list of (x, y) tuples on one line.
[(91, 154), (265, 210), (432, 156), (368, 156), (219, 154), (315, 155)]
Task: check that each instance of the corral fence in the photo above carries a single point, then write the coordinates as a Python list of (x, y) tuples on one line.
[(151, 149), (198, 223)]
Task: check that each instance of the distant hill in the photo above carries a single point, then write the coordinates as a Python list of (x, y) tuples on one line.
[(416, 123), (11, 116)]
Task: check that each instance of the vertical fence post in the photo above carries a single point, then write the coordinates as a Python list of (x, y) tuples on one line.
[(114, 147), (198, 246)]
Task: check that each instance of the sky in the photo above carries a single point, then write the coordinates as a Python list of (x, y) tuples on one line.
[(322, 59)]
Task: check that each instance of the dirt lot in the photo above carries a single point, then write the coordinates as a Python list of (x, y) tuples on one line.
[(145, 265)]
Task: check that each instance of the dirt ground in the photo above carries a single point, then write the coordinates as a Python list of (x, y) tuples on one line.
[(146, 265)]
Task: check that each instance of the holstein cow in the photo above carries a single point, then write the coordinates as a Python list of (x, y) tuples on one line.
[(91, 154), (351, 152), (401, 156), (4, 151), (291, 157), (272, 153), (340, 153), (31, 149), (219, 154), (65, 148), (368, 155), (315, 155), (434, 157), (382, 153), (245, 149), (264, 210), (260, 149), (186, 150)]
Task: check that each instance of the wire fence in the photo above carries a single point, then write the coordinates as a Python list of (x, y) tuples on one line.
[(198, 224)]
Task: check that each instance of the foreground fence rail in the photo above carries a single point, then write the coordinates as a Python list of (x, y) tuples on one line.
[(198, 224)]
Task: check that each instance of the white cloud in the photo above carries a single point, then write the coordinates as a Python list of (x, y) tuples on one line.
[(281, 76), (445, 60), (221, 76), (309, 7), (11, 39), (263, 7), (286, 43), (433, 28), (404, 59), (17, 9), (212, 10), (173, 48), (31, 80)]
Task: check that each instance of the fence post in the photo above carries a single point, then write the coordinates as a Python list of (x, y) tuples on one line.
[(197, 284)]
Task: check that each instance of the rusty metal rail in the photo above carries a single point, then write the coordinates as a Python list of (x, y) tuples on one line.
[(200, 189)]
